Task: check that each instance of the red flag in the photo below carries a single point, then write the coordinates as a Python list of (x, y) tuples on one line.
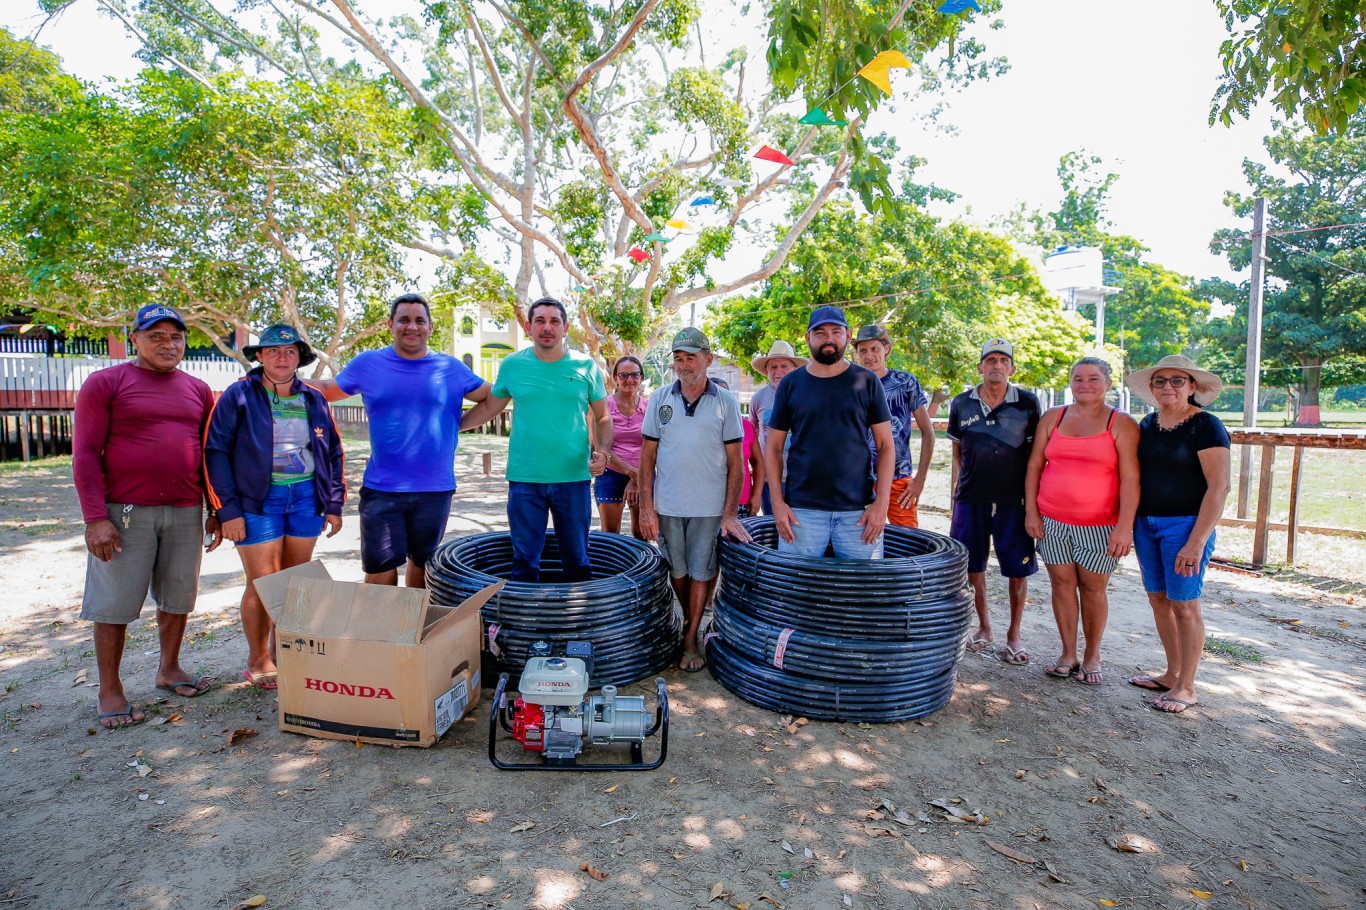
[(769, 153), (638, 254)]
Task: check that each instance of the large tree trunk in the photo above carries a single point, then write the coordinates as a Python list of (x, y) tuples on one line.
[(1310, 380)]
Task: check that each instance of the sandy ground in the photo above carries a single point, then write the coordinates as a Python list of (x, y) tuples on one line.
[(1256, 799)]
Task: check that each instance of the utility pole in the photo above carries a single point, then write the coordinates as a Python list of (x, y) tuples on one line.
[(1251, 383)]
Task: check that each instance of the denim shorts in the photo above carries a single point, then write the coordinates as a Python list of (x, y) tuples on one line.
[(290, 510), (1157, 540), (610, 486)]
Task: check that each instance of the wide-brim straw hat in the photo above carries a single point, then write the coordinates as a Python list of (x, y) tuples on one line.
[(780, 350), (1205, 386)]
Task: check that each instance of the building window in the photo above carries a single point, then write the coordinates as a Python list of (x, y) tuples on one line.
[(467, 325)]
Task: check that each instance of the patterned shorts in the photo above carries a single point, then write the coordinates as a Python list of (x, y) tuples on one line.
[(1084, 545)]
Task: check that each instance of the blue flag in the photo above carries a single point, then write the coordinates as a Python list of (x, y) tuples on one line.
[(953, 7), (703, 200)]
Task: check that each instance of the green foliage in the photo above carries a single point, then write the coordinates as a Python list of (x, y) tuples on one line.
[(243, 204), (940, 290), (1158, 312), (31, 77), (1309, 54), (817, 47), (1314, 307)]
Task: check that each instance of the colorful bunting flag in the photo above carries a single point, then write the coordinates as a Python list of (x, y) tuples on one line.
[(657, 237), (579, 289), (818, 117), (953, 7), (878, 70), (769, 153), (702, 200), (637, 254), (678, 224), (731, 182)]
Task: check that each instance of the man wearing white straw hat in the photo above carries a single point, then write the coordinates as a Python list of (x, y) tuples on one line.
[(1183, 464), (780, 360)]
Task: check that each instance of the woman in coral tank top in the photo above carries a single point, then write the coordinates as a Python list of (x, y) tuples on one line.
[(1081, 494)]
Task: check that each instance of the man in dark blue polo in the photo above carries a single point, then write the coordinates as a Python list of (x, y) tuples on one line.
[(992, 427)]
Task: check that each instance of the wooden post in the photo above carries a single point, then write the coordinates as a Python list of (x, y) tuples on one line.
[(1263, 506), (488, 463), (1293, 522), (23, 436), (1252, 380)]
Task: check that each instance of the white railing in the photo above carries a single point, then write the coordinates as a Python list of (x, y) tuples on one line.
[(36, 381)]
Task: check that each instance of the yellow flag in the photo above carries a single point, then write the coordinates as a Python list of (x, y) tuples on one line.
[(677, 224), (877, 71)]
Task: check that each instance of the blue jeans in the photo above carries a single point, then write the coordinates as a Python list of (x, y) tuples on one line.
[(816, 530), (569, 506), (290, 510)]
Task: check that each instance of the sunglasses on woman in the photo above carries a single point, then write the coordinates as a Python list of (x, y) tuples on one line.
[(1176, 382)]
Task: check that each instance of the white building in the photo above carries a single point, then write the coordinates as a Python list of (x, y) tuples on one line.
[(482, 341)]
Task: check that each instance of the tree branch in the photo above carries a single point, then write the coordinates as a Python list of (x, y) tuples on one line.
[(675, 299), (588, 132)]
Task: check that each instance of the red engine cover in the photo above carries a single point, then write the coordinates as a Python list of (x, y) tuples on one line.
[(528, 726)]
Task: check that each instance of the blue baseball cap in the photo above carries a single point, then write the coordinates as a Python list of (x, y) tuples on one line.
[(153, 313), (826, 315)]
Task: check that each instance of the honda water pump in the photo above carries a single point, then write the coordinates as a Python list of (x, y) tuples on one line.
[(555, 716)]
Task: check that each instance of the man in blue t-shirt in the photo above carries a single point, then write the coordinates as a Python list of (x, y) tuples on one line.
[(413, 398)]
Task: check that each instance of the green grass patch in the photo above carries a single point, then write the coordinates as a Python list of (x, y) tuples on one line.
[(36, 466), (1233, 650)]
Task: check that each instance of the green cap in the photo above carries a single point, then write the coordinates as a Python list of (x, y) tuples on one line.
[(691, 341)]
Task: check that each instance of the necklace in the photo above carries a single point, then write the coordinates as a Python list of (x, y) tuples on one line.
[(1167, 429)]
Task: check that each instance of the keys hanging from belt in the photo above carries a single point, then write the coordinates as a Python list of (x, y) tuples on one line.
[(127, 516)]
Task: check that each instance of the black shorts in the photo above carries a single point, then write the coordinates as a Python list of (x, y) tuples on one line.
[(977, 524), (397, 527)]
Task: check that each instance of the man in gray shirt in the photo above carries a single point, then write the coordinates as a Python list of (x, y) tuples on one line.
[(690, 477)]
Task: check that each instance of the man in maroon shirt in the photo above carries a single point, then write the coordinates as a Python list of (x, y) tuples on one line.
[(138, 465)]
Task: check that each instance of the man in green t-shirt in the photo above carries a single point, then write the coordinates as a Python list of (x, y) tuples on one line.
[(550, 457)]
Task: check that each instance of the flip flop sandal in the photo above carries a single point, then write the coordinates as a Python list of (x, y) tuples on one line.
[(692, 655), (200, 684), (1156, 705), (265, 681), (127, 712), (1147, 682), (1015, 658), (977, 644), (1060, 671), (1081, 674)]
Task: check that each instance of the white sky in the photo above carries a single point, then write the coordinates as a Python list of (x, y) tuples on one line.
[(1128, 81)]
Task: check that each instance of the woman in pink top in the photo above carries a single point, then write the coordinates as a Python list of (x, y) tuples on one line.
[(616, 486), (1081, 494), (751, 456)]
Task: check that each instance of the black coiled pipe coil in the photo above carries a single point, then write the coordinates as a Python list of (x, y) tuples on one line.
[(625, 610), (841, 639)]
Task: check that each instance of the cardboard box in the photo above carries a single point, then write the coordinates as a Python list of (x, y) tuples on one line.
[(374, 663)]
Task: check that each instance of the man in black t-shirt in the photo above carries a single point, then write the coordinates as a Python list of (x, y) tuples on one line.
[(829, 407), (992, 427)]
